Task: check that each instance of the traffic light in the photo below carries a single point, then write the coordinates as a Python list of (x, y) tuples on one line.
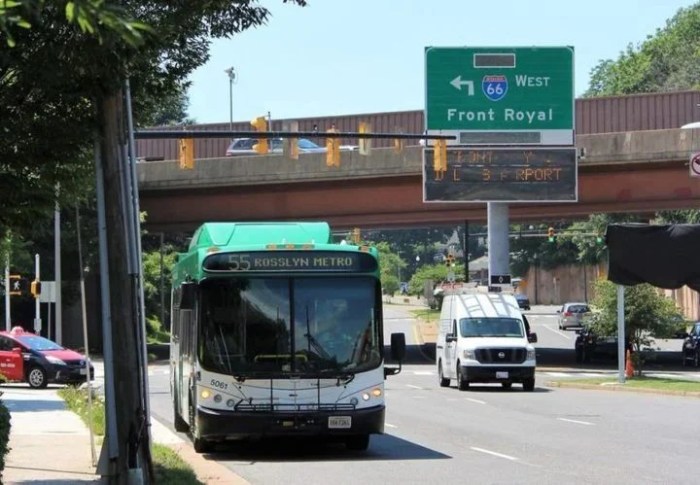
[(187, 153), (550, 234), (260, 124), (365, 143), (332, 150), (15, 285), (440, 157), (35, 288), (449, 260)]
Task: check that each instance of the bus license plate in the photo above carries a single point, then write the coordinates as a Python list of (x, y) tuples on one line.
[(339, 422), (501, 375)]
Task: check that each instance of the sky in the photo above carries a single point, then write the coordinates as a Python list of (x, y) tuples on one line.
[(342, 57)]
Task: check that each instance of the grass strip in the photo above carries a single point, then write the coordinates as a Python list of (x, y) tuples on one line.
[(642, 382)]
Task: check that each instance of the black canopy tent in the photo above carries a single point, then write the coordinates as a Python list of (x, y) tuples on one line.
[(666, 256)]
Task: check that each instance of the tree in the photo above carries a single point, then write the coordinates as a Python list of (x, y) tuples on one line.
[(93, 48), (390, 265), (648, 314), (665, 61)]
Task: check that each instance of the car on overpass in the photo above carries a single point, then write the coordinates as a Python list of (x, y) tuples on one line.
[(245, 147)]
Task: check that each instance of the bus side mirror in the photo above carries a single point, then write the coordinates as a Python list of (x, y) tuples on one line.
[(188, 294), (398, 352), (398, 346)]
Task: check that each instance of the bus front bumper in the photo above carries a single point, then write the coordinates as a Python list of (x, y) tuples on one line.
[(218, 424)]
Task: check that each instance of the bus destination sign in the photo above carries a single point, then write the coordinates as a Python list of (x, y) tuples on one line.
[(290, 261), (502, 175)]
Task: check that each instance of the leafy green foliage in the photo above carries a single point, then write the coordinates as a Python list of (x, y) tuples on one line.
[(77, 401), (435, 272), (666, 61), (390, 265), (648, 314), (170, 468), (5, 425)]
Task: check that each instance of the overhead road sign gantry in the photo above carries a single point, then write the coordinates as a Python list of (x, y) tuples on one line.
[(501, 95)]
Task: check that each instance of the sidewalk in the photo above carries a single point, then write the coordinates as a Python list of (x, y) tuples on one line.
[(50, 445)]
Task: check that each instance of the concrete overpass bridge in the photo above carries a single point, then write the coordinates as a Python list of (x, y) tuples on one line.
[(639, 171)]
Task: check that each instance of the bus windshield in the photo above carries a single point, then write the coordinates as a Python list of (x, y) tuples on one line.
[(300, 326)]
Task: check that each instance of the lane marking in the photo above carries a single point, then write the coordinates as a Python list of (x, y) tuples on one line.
[(557, 332), (390, 425), (413, 387), (493, 453), (558, 374), (475, 400), (422, 373), (576, 421)]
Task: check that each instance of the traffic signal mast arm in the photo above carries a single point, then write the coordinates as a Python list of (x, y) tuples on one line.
[(172, 134)]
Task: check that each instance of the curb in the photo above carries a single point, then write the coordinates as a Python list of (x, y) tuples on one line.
[(207, 471), (621, 388)]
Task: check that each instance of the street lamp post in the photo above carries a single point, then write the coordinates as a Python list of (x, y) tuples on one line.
[(231, 78)]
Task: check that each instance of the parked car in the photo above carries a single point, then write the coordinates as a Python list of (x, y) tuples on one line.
[(588, 344), (523, 301), (244, 146), (571, 314), (691, 346), (27, 357)]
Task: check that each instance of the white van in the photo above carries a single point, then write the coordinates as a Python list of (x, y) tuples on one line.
[(483, 337)]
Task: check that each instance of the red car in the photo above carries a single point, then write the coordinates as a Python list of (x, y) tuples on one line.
[(30, 358)]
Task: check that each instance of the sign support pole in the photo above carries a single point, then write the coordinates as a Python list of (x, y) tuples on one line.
[(498, 242), (37, 314)]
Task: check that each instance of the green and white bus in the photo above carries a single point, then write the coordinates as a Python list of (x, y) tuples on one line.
[(277, 331)]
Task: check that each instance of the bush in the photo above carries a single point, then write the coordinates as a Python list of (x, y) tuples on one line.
[(4, 435)]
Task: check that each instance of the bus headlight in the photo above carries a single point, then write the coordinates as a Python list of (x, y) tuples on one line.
[(376, 392), (230, 403), (469, 354), (365, 396), (217, 398), (205, 394), (354, 401)]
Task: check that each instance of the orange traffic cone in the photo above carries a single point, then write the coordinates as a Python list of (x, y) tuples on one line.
[(629, 368)]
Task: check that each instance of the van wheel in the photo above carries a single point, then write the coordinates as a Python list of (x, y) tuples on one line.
[(529, 384), (443, 381), (462, 384)]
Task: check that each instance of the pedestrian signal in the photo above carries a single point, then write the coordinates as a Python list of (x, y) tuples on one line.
[(35, 288)]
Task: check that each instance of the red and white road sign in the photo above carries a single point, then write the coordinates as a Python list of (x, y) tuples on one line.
[(695, 165)]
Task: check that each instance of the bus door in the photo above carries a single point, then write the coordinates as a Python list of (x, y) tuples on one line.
[(11, 360)]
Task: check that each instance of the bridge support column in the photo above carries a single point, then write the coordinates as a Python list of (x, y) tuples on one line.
[(498, 243)]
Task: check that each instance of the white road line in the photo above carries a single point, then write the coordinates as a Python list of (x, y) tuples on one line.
[(595, 374), (390, 425), (475, 400), (413, 387), (557, 332), (558, 374), (576, 421), (423, 373), (500, 455)]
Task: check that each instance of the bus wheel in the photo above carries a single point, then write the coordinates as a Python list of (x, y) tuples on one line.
[(200, 445), (358, 442), (443, 381), (180, 425)]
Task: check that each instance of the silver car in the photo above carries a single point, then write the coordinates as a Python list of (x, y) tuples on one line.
[(571, 314)]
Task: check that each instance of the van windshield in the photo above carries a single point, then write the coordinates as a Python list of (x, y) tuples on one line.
[(491, 327)]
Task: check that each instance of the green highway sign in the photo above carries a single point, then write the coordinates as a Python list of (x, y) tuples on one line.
[(501, 95)]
